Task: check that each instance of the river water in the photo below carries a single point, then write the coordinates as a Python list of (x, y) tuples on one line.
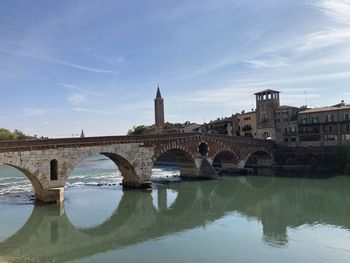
[(233, 219)]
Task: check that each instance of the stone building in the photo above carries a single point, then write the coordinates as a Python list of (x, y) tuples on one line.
[(325, 126), (286, 124), (267, 101), (159, 110)]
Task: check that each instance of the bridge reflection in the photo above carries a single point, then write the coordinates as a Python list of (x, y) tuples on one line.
[(278, 203)]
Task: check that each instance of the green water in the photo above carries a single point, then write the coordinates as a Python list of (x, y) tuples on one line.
[(236, 219)]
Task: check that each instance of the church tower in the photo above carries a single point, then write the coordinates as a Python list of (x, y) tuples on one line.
[(267, 101), (159, 110)]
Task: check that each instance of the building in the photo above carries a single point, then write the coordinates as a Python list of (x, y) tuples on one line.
[(267, 101), (325, 126), (247, 124), (187, 127), (159, 110), (286, 124), (222, 126)]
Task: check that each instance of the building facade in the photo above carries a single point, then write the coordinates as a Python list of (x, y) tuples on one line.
[(326, 126), (222, 126), (286, 124), (247, 124)]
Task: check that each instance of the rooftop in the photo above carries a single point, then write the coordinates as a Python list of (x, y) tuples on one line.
[(340, 106), (286, 107), (267, 91)]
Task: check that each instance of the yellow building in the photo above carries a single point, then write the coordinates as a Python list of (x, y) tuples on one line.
[(247, 125)]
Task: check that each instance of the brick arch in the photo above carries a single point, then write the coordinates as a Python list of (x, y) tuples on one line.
[(118, 157), (185, 160), (172, 146), (226, 149), (38, 182), (254, 151)]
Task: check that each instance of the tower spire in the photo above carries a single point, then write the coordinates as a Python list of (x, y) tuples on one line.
[(159, 96), (159, 110), (82, 135)]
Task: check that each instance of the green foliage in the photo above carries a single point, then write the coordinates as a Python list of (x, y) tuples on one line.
[(141, 129), (6, 134), (15, 135)]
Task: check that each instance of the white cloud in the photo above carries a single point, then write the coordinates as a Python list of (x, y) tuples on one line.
[(82, 90), (268, 62), (77, 98), (338, 10), (325, 38)]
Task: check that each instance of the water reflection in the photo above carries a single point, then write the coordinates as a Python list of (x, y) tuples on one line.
[(279, 204)]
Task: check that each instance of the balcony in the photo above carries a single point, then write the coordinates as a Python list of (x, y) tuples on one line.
[(247, 129), (290, 134)]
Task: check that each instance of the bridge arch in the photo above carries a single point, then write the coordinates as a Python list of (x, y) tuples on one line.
[(125, 167), (37, 184), (225, 159), (180, 157), (259, 157)]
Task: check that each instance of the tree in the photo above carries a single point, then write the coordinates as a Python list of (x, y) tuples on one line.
[(7, 135), (141, 129), (19, 135)]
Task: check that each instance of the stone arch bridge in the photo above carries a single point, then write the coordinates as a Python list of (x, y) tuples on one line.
[(48, 163)]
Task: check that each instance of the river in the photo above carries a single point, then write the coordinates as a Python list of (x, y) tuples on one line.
[(233, 219)]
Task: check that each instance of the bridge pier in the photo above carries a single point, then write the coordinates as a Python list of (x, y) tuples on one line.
[(52, 195), (203, 170), (137, 184)]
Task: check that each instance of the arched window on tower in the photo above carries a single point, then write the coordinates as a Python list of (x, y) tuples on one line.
[(53, 170)]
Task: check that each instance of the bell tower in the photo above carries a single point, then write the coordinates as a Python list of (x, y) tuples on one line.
[(159, 110), (267, 102)]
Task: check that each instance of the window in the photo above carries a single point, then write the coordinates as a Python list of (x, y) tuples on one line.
[(346, 117), (304, 121), (329, 118), (293, 139), (330, 137), (314, 119), (286, 140), (348, 127), (53, 170), (330, 128), (264, 116)]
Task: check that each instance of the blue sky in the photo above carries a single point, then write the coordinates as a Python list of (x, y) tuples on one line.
[(73, 64)]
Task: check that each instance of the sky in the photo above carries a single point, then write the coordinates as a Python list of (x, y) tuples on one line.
[(95, 65)]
